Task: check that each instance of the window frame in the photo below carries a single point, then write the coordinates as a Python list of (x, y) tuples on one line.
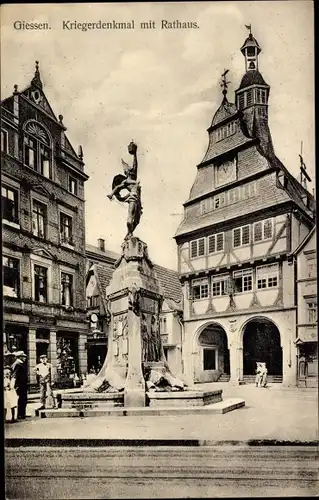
[(16, 203), (191, 256), (45, 218), (202, 282), (71, 291), (247, 276), (215, 238), (35, 292), (241, 229), (71, 180), (18, 275), (263, 224), (266, 277), (39, 143), (4, 140), (223, 289), (70, 240)]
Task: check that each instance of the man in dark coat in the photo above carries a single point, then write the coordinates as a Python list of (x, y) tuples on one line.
[(20, 382)]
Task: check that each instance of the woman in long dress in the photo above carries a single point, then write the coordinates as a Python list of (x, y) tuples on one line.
[(10, 396)]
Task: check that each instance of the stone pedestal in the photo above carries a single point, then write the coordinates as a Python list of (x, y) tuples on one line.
[(134, 299)]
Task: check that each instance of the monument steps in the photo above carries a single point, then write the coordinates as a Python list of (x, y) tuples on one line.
[(221, 407)]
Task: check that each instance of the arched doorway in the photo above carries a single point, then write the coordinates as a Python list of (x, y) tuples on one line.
[(213, 354), (261, 343)]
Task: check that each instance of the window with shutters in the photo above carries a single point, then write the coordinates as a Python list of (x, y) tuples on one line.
[(199, 289), (241, 101), (267, 277), (216, 243), (249, 97), (243, 280), (220, 285), (197, 248)]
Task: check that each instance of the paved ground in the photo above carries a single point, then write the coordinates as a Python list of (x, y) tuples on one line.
[(225, 456), (275, 413)]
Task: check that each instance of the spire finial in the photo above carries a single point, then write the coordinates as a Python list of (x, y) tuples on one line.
[(36, 80), (248, 26), (224, 84)]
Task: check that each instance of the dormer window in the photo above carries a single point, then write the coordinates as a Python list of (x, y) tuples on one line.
[(37, 149)]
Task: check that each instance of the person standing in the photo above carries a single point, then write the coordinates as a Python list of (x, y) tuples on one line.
[(20, 382), (44, 373), (10, 399)]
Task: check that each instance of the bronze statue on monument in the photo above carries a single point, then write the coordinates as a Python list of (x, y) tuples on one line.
[(129, 183)]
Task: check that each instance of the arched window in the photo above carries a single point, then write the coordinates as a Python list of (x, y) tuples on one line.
[(37, 149)]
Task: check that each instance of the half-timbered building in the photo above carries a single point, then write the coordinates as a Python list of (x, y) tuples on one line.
[(244, 217)]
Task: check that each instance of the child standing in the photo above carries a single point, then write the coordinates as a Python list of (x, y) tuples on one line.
[(10, 395)]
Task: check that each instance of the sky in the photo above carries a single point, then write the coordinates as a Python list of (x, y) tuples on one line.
[(161, 88)]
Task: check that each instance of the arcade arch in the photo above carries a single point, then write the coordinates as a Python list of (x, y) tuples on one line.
[(212, 350)]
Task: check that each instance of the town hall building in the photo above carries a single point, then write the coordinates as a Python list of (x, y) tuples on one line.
[(244, 218)]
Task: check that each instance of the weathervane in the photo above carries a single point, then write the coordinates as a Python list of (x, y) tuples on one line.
[(224, 83), (248, 26)]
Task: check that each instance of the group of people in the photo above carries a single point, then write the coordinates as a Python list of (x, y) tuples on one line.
[(16, 386)]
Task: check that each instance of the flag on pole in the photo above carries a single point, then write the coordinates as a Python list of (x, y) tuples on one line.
[(248, 26)]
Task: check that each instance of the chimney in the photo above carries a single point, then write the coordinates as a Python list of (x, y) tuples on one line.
[(101, 244)]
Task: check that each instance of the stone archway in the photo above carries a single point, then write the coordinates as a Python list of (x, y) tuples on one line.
[(212, 354), (261, 342)]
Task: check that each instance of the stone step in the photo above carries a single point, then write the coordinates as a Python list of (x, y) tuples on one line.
[(216, 408)]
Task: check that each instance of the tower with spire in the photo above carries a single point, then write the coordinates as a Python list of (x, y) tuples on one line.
[(43, 231), (236, 240)]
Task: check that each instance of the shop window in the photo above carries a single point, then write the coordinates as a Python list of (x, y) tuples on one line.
[(9, 198), (66, 289), (37, 150), (40, 284), (197, 248), (66, 234), (220, 285), (11, 277), (243, 280), (39, 217), (199, 289), (267, 277), (4, 141), (209, 359)]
